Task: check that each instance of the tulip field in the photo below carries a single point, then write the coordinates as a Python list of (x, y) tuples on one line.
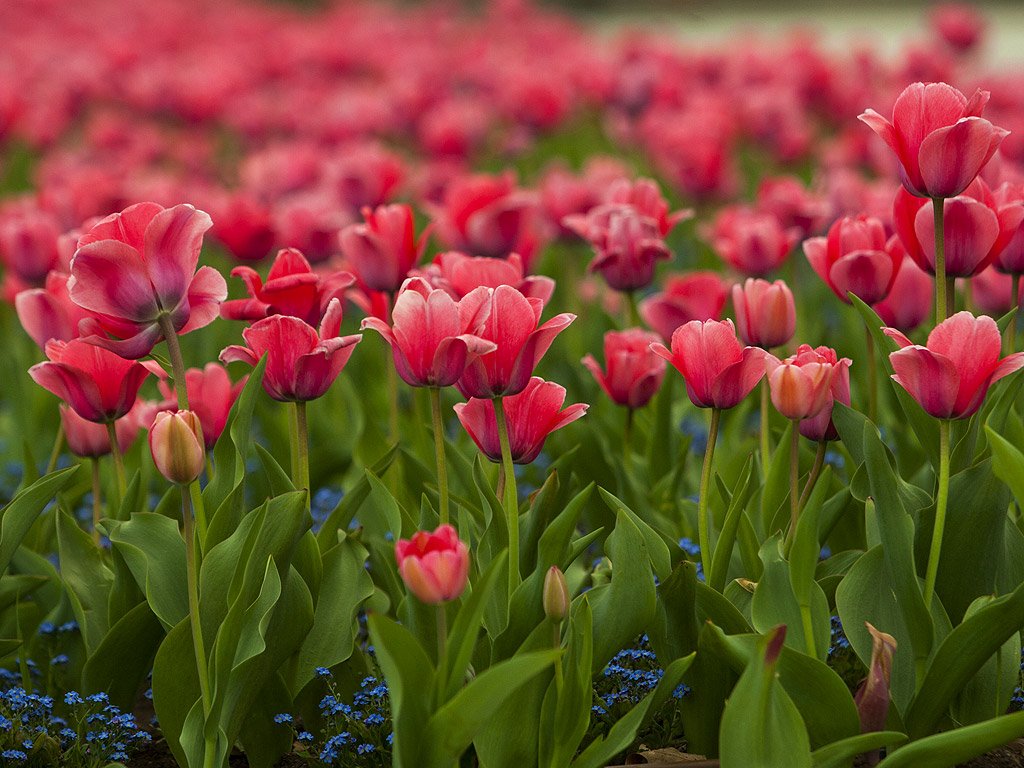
[(433, 386)]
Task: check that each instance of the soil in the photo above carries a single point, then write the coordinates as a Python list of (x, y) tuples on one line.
[(157, 755)]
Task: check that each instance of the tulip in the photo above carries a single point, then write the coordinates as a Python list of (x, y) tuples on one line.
[(292, 288), (434, 566), (531, 415), (366, 175), (432, 336), (765, 313), (752, 242), (909, 302), (88, 439), (939, 137), (993, 292), (856, 258), (555, 595), (136, 270), (635, 372), (460, 274), (800, 386), (176, 442), (244, 226), (644, 196), (693, 296), (49, 313), (382, 250), (628, 248), (960, 26), (820, 427), (28, 246), (301, 364), (872, 698), (211, 394), (511, 325), (1011, 257), (793, 205)]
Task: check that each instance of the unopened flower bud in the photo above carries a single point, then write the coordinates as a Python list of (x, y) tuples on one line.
[(176, 442), (556, 594)]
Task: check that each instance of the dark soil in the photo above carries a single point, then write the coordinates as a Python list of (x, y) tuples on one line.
[(157, 755)]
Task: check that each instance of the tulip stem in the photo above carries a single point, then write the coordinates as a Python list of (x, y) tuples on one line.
[(633, 314), (940, 513), (627, 435), (97, 500), (1011, 329), (812, 480), (941, 296), (58, 444), (869, 342), (511, 497), (557, 637), (177, 362), (442, 653), (704, 531), (301, 449), (442, 468), (115, 451), (198, 648), (765, 430), (794, 485)]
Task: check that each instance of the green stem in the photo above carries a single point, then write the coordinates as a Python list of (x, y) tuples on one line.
[(442, 654), (302, 448), (794, 485), (940, 513), (58, 444), (97, 499), (442, 468), (511, 497), (869, 343), (627, 435), (633, 313), (805, 619), (704, 531), (765, 429), (950, 296), (198, 647), (812, 480), (557, 637), (941, 310), (393, 426), (177, 362), (115, 451), (293, 445), (1011, 329)]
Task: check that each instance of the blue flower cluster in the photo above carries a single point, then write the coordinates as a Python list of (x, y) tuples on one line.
[(1017, 700), (357, 734), (76, 731), (842, 658)]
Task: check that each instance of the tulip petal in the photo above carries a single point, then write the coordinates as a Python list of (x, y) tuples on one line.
[(110, 277), (173, 241), (931, 379), (950, 157), (206, 291)]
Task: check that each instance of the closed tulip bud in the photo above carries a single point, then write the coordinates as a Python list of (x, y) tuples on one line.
[(800, 386), (176, 442), (765, 313), (556, 594)]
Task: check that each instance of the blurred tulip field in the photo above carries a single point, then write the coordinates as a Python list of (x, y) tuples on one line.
[(432, 385)]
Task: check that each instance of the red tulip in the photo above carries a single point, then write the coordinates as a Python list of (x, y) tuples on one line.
[(765, 313), (1011, 258), (939, 137), (750, 241), (136, 266), (693, 296), (910, 299), (49, 313), (628, 247), (820, 427), (512, 326), (89, 439), (531, 416), (432, 336), (976, 228), (793, 205), (992, 291), (950, 376), (366, 175), (382, 250), (719, 372), (800, 385), (292, 288), (210, 397), (28, 243), (856, 258), (100, 385), (644, 196), (460, 274), (434, 566), (176, 443), (301, 364), (244, 226), (634, 373)]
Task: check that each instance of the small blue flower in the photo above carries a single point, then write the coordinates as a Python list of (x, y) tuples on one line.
[(322, 672), (282, 718), (305, 736)]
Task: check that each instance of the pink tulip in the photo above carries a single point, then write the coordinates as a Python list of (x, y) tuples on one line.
[(531, 416), (292, 288), (856, 258), (950, 376), (696, 295), (765, 313), (1011, 258), (210, 397), (301, 364), (910, 299), (28, 243), (644, 196), (960, 26), (512, 324), (176, 443), (820, 427), (752, 242), (939, 137), (432, 336), (366, 175), (718, 370), (793, 205), (434, 566), (134, 267), (460, 274), (628, 248), (100, 385), (49, 313), (244, 226), (635, 372), (89, 439), (977, 228), (382, 250), (800, 385), (992, 291)]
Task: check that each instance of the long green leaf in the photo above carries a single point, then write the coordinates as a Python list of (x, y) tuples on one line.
[(951, 748)]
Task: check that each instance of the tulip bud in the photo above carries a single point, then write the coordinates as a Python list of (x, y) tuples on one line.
[(434, 566), (873, 697), (799, 387), (556, 594), (176, 442)]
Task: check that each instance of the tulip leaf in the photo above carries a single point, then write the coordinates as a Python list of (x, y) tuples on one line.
[(124, 657), (600, 751), (806, 548), (779, 737), (944, 750), (18, 516), (744, 489), (88, 579), (350, 503), (1008, 462), (839, 754), (988, 692), (397, 517), (775, 492), (277, 478), (463, 636), (565, 712), (176, 684), (656, 547)]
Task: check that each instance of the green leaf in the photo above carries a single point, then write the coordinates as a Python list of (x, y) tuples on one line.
[(761, 726), (656, 547), (775, 492), (839, 754), (154, 550), (742, 492), (988, 692), (804, 556), (960, 745), (176, 684), (87, 579), (19, 515), (398, 519), (1008, 462), (124, 657), (463, 636), (353, 499), (565, 713), (278, 479)]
